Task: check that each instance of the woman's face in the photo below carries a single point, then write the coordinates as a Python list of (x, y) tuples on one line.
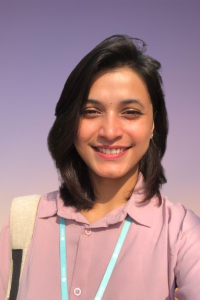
[(116, 124)]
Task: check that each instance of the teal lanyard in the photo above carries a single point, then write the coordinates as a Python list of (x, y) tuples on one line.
[(110, 267)]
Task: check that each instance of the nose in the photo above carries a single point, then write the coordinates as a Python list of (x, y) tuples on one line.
[(111, 128)]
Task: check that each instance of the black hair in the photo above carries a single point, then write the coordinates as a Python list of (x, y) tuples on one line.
[(114, 52)]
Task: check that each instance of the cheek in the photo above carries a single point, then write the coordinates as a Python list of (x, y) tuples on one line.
[(140, 134), (85, 132), (83, 139)]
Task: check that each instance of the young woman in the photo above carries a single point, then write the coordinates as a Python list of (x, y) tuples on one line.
[(123, 239)]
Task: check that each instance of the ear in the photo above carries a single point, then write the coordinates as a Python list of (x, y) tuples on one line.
[(152, 129)]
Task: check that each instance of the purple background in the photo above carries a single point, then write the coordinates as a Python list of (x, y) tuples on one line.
[(40, 44)]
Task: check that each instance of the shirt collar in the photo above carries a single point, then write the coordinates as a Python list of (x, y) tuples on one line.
[(48, 205), (141, 213), (52, 204)]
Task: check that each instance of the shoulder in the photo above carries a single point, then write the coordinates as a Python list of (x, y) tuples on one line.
[(177, 211), (48, 204), (180, 219), (5, 229)]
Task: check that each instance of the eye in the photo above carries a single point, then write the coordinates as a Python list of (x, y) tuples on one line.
[(132, 113), (90, 112)]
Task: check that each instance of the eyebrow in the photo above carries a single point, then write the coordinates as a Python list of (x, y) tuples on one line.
[(127, 101)]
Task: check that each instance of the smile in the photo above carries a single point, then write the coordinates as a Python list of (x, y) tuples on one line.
[(111, 151)]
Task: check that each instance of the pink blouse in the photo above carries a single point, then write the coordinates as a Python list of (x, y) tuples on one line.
[(162, 243)]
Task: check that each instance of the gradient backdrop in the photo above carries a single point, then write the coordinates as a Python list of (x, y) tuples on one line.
[(40, 44)]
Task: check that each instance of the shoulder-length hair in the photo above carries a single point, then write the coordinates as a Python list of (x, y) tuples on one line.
[(114, 52)]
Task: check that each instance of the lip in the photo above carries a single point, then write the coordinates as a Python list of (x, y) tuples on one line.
[(111, 147), (108, 155)]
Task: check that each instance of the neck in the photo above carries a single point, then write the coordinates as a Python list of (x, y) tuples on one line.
[(113, 192)]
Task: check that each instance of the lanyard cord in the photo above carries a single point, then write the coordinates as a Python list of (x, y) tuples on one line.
[(110, 267), (63, 262)]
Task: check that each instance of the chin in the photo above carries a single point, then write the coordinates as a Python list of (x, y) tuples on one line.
[(110, 175), (113, 176)]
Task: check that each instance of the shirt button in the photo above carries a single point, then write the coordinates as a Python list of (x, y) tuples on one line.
[(88, 231), (77, 291)]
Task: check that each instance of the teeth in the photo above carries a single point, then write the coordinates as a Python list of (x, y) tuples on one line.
[(110, 151)]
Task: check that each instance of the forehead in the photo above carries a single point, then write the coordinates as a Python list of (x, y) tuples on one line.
[(118, 84)]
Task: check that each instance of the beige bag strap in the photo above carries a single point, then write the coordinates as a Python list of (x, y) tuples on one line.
[(22, 220)]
